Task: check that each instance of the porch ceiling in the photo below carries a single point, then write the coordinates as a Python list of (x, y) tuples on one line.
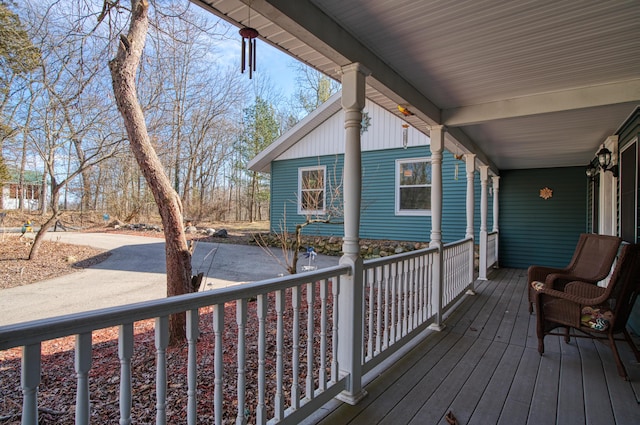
[(523, 84)]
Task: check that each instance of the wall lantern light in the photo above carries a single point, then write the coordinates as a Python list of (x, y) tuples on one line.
[(604, 159), (601, 161)]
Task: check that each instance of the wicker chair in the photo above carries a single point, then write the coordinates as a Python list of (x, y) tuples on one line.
[(591, 262), (597, 312)]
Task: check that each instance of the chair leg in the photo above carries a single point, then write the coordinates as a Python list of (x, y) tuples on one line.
[(566, 334), (631, 344), (621, 370), (530, 307), (541, 345)]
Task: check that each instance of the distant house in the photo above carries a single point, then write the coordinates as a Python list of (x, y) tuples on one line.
[(30, 191), (306, 171)]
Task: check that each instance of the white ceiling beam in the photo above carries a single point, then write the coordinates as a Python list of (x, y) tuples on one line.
[(566, 100)]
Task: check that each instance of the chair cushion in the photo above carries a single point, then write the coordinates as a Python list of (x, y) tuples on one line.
[(537, 285), (596, 317)]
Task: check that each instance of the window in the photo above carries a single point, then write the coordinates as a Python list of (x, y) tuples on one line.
[(311, 190), (413, 186)]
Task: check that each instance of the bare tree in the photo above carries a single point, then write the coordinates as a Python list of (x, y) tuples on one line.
[(123, 70)]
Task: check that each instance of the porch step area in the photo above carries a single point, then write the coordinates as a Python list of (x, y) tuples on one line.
[(484, 367)]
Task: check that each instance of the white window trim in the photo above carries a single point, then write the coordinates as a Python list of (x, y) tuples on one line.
[(398, 211), (324, 190)]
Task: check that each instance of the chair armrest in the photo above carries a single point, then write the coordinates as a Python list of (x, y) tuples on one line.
[(561, 279), (540, 273), (596, 294), (577, 297)]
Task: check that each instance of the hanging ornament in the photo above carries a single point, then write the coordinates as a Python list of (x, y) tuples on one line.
[(249, 36), (459, 158), (405, 135)]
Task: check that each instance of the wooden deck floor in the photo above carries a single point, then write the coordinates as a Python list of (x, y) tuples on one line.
[(484, 367)]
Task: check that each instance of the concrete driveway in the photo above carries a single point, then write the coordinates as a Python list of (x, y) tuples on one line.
[(134, 272)]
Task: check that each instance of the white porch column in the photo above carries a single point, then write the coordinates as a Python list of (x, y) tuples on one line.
[(350, 319), (470, 160), (484, 182), (496, 190), (436, 146)]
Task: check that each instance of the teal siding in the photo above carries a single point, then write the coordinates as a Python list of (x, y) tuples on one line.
[(538, 231), (378, 219)]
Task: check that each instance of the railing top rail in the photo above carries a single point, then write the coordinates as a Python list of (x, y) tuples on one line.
[(32, 332), (456, 243), (376, 262)]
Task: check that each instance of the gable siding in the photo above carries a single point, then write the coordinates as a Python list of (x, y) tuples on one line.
[(538, 231), (378, 219), (384, 132)]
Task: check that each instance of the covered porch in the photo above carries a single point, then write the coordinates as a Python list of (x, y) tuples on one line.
[(346, 326), (484, 367)]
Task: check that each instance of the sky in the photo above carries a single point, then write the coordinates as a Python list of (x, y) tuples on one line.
[(271, 63)]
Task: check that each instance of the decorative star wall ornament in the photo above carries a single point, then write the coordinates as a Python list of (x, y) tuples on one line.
[(546, 193), (365, 123)]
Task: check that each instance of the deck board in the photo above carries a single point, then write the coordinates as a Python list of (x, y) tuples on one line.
[(485, 368)]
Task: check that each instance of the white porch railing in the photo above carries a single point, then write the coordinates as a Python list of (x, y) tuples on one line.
[(458, 271), (288, 305), (301, 310), (398, 301), (488, 253), (492, 249)]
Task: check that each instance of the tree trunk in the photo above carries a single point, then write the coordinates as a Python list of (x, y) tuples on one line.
[(44, 228), (123, 71)]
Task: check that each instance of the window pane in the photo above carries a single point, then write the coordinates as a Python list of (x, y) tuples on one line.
[(415, 173), (313, 179), (312, 200), (415, 198)]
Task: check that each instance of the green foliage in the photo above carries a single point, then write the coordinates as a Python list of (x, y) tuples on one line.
[(17, 53), (261, 128)]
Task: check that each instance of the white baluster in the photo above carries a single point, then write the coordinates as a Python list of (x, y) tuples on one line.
[(161, 343), (405, 299), (414, 293), (387, 311), (295, 360), (311, 294), (193, 332), (369, 283), (261, 410), (335, 289), (30, 381), (322, 375), (82, 366), (241, 321), (424, 284), (379, 307), (218, 362), (125, 353), (394, 301), (279, 398)]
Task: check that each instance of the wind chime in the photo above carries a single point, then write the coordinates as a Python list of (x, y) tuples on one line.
[(405, 135), (249, 36), (459, 157)]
